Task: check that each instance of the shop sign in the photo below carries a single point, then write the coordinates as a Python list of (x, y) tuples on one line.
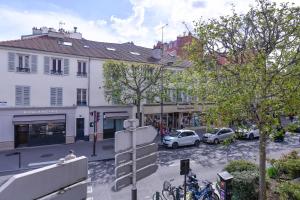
[(40, 111), (185, 107)]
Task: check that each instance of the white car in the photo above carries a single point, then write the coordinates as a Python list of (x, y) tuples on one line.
[(181, 138), (249, 133), (218, 135)]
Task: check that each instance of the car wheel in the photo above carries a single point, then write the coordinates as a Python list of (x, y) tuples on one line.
[(216, 141), (175, 145), (197, 143), (251, 136)]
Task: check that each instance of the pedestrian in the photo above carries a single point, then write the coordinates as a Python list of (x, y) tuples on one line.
[(70, 156)]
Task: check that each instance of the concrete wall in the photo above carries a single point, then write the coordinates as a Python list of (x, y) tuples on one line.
[(44, 181)]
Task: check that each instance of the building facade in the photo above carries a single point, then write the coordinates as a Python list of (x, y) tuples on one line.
[(52, 90)]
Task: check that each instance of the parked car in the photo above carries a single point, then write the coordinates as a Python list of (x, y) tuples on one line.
[(248, 132), (218, 135), (181, 138)]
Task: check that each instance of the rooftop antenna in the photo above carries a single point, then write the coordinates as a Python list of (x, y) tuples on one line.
[(187, 28)]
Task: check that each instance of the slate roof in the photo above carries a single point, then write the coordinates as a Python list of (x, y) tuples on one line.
[(83, 47)]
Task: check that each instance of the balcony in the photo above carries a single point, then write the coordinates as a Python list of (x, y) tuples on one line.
[(55, 72), (82, 74), (23, 69)]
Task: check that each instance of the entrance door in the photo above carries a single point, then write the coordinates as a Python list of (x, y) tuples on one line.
[(80, 129), (21, 135), (110, 126)]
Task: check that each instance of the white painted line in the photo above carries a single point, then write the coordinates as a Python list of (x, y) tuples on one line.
[(89, 198), (42, 163), (89, 189)]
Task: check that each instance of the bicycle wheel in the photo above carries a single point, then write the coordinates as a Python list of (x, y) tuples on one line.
[(154, 197), (214, 196), (168, 195)]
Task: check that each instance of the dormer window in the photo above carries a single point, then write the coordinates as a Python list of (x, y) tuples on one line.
[(110, 49), (135, 53)]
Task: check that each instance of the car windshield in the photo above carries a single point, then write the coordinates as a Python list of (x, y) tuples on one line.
[(214, 131), (174, 134)]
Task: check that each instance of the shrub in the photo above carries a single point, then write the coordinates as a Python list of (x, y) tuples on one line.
[(245, 185), (289, 168), (289, 190), (291, 155), (273, 172), (240, 165), (292, 127)]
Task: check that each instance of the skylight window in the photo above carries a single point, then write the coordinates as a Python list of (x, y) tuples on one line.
[(86, 46), (135, 53), (110, 49), (67, 43)]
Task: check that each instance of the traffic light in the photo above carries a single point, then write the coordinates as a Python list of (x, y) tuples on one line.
[(98, 117)]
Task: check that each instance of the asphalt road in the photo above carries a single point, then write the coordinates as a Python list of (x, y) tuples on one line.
[(206, 161)]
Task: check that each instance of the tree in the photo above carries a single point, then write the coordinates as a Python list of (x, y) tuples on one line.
[(258, 79), (131, 83)]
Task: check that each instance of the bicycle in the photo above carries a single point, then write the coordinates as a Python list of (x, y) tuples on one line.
[(170, 192), (206, 193)]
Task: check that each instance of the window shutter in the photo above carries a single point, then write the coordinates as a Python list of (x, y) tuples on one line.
[(26, 96), (53, 94), (19, 92), (34, 63), (11, 61), (46, 65), (66, 66), (59, 96)]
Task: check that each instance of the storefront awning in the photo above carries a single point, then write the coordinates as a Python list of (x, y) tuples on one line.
[(116, 115), (32, 119)]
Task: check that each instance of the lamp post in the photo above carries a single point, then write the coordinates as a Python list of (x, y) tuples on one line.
[(162, 82)]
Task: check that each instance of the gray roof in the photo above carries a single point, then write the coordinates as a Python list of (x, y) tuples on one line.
[(83, 47)]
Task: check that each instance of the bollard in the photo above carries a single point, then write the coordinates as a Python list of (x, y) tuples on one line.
[(177, 195)]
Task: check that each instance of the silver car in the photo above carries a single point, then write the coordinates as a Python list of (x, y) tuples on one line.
[(218, 135), (181, 138)]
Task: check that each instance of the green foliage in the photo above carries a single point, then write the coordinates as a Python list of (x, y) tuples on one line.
[(245, 185), (288, 167), (229, 141), (273, 172), (240, 166), (289, 191), (292, 127)]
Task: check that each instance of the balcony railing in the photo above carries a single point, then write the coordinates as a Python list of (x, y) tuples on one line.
[(83, 74), (23, 69), (81, 103), (55, 72)]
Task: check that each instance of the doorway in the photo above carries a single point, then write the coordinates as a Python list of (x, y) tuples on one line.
[(21, 135), (79, 128), (110, 126)]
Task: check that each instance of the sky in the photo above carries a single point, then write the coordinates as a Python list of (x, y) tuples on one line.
[(117, 21)]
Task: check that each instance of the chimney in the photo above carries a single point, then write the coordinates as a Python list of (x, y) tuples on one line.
[(75, 29)]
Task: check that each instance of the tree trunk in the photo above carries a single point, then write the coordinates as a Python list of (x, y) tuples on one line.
[(262, 165), (138, 111)]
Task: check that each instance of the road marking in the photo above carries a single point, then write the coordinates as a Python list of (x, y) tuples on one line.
[(89, 189), (89, 198)]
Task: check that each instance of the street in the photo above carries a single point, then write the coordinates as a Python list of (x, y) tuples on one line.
[(206, 161)]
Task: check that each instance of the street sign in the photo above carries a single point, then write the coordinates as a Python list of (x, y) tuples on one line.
[(142, 162), (144, 135), (141, 151), (141, 173)]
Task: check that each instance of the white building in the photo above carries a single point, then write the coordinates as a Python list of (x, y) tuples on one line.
[(52, 84)]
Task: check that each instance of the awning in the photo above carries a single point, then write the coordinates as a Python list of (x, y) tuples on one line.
[(116, 115), (33, 119)]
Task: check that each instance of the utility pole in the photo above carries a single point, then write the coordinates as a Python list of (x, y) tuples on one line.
[(162, 81)]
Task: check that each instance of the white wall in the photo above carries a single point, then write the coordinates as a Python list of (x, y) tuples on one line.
[(39, 82)]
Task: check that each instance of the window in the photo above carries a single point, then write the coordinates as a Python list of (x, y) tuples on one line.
[(189, 133), (110, 49), (81, 97), (22, 95), (81, 70), (135, 53), (56, 96), (56, 66), (23, 63)]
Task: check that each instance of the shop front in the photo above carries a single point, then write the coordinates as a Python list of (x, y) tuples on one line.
[(174, 116), (37, 130), (26, 127)]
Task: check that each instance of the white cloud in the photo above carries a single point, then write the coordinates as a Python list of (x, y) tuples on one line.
[(142, 26)]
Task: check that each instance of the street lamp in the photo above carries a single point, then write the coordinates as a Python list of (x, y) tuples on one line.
[(162, 83)]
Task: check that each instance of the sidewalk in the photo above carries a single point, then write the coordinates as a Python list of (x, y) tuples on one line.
[(36, 156)]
